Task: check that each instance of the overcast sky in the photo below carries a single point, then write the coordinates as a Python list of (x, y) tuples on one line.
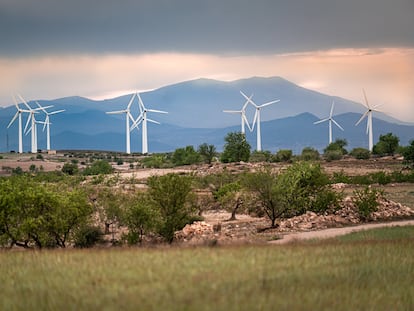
[(102, 48)]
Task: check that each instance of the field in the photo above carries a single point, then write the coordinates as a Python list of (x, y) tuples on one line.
[(365, 272)]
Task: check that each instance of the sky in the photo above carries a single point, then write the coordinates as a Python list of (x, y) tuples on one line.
[(104, 48)]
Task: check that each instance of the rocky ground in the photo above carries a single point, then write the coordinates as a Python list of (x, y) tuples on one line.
[(217, 229)]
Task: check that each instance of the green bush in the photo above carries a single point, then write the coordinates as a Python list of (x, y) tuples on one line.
[(366, 201), (185, 156), (98, 167), (236, 148), (88, 236), (70, 168), (360, 153), (283, 155), (337, 145), (260, 156), (333, 155), (310, 154)]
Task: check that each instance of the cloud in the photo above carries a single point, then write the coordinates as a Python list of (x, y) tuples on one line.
[(386, 74), (232, 27)]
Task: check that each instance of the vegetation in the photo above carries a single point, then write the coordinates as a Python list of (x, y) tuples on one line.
[(408, 153), (283, 155), (360, 275), (310, 154), (98, 167), (337, 145), (360, 153), (236, 148), (170, 195), (366, 201), (40, 215), (207, 152), (387, 145), (185, 156)]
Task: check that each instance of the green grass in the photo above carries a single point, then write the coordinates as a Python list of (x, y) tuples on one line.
[(380, 234), (372, 274)]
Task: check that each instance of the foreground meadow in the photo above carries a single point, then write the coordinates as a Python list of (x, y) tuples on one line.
[(369, 272)]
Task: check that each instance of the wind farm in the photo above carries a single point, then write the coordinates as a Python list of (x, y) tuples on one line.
[(196, 119)]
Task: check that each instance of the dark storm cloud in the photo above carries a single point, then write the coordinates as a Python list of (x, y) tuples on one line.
[(208, 26)]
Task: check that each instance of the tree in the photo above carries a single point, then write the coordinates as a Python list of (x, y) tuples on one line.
[(170, 195), (70, 168), (207, 152), (337, 145), (387, 145), (236, 148), (140, 217), (185, 156), (408, 153)]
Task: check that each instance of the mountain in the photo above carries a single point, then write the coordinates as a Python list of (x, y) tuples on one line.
[(195, 116)]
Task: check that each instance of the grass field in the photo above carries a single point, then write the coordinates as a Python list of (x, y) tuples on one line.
[(373, 272)]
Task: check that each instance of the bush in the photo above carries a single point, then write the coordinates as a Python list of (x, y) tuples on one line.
[(98, 167), (408, 153), (260, 156), (333, 155), (387, 145), (337, 145), (207, 152), (326, 200), (366, 201), (70, 168), (283, 155), (185, 156), (88, 236), (360, 153), (310, 154)]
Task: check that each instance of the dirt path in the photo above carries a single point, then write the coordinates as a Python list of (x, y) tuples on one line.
[(333, 232)]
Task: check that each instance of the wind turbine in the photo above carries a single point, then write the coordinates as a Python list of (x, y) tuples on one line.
[(142, 118), (368, 115), (46, 123), (257, 118), (242, 113), (19, 116), (128, 117), (33, 127), (331, 120)]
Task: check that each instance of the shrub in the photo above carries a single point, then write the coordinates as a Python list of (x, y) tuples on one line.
[(333, 155), (260, 156), (387, 144), (366, 201), (326, 200), (98, 167), (88, 236), (360, 153), (310, 154), (408, 153), (185, 156), (207, 152), (70, 168), (283, 155), (337, 145)]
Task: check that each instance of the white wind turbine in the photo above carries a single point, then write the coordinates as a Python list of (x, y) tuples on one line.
[(142, 118), (368, 115), (331, 120), (33, 127), (257, 118), (46, 123), (128, 118), (19, 116), (242, 113)]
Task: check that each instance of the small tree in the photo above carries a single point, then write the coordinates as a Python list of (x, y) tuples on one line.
[(98, 167), (387, 145), (337, 145), (170, 195), (207, 152), (185, 156), (283, 155), (360, 153), (70, 168), (236, 148)]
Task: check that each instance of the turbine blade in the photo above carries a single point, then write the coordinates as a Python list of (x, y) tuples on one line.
[(14, 118), (247, 123), (337, 124), (157, 111), (153, 121), (377, 106), (141, 104), (362, 118), (27, 123), (332, 109), (24, 102), (233, 111), (249, 99), (116, 112), (269, 103), (366, 99), (130, 101), (55, 112), (320, 121)]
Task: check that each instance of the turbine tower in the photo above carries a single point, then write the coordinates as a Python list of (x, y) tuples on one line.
[(257, 119), (242, 113), (19, 116), (368, 115), (331, 120), (142, 118), (128, 117), (46, 123)]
